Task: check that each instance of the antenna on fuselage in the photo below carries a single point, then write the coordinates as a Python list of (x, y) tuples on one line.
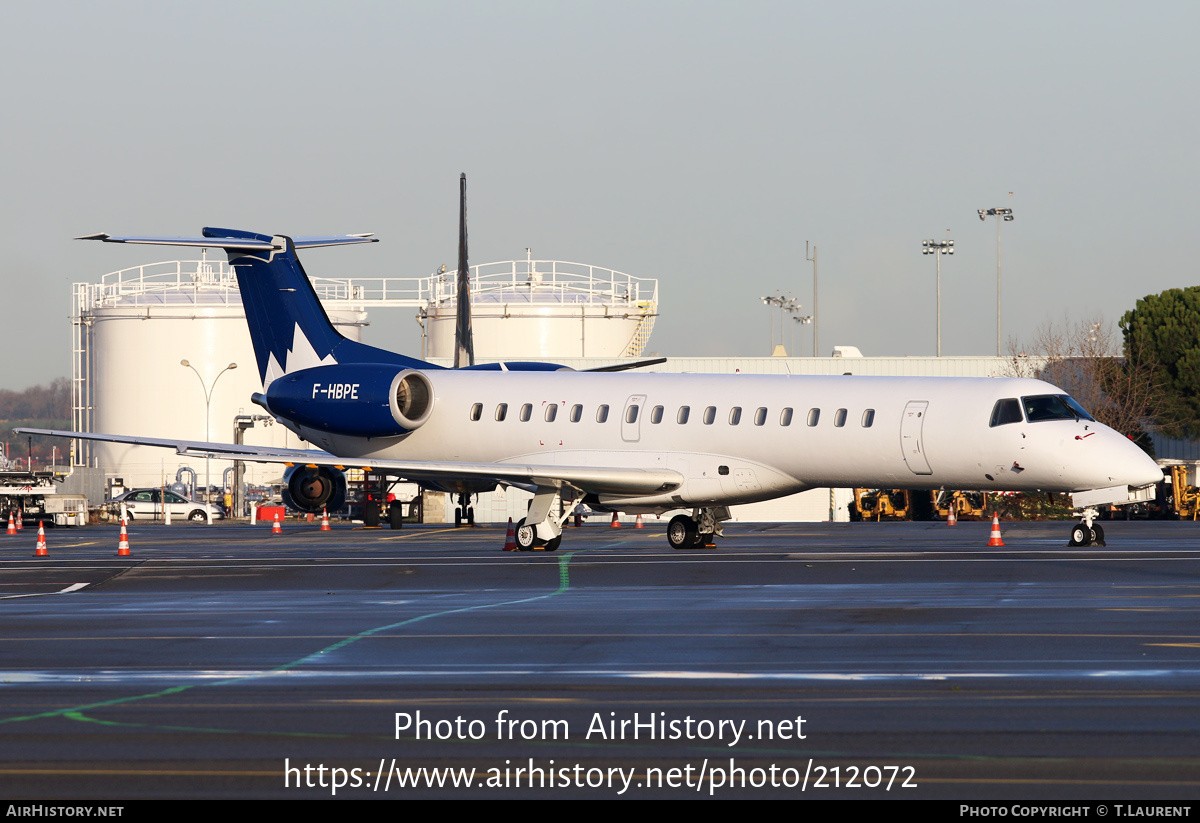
[(464, 342)]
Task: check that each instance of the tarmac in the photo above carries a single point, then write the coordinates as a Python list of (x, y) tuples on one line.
[(870, 661)]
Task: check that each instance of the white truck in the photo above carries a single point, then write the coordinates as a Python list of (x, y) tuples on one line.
[(33, 497)]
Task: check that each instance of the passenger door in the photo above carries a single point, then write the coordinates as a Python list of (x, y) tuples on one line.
[(911, 445), (631, 418)]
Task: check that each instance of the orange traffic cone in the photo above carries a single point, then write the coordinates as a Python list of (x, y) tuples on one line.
[(41, 544), (21, 520), (616, 523), (275, 527), (952, 520), (638, 524), (510, 539), (995, 540), (123, 543), (12, 528), (324, 521)]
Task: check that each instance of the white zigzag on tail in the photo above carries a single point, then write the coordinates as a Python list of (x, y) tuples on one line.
[(301, 355)]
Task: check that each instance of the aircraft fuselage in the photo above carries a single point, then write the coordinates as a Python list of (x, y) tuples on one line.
[(745, 438)]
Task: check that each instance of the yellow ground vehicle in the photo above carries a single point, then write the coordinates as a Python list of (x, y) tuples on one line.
[(1183, 497), (966, 505), (882, 504), (916, 504)]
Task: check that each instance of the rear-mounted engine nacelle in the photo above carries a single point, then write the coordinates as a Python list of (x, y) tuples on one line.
[(314, 489), (363, 400)]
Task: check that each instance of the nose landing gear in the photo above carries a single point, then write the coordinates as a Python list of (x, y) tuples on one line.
[(1087, 533)]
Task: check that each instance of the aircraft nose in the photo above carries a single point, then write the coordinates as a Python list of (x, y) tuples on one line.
[(1108, 458), (1131, 465), (1149, 472)]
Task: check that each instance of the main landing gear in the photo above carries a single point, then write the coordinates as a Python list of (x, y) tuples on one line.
[(539, 528), (527, 539), (1087, 532), (464, 511), (697, 530)]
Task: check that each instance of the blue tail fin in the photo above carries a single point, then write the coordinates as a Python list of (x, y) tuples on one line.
[(288, 325)]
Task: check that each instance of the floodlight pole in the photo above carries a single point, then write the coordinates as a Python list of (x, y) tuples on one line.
[(784, 304), (937, 248), (814, 313), (1002, 216)]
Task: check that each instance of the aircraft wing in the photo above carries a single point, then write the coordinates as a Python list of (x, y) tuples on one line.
[(590, 479)]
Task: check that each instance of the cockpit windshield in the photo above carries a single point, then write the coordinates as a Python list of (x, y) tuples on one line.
[(1053, 407), (1006, 411)]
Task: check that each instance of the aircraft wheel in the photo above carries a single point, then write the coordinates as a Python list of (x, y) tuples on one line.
[(682, 532), (552, 545), (526, 536), (457, 516), (396, 514), (1080, 536), (470, 515), (1098, 536)]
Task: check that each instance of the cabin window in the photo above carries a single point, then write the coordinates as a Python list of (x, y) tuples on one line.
[(602, 414), (710, 415), (814, 416), (501, 412), (868, 418), (477, 411), (760, 417), (785, 417), (682, 417), (526, 412), (631, 413), (735, 415), (576, 413), (839, 417), (551, 412), (656, 414)]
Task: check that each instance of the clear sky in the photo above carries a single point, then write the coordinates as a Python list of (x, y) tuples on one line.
[(697, 142)]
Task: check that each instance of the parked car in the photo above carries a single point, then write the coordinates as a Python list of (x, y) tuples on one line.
[(147, 504)]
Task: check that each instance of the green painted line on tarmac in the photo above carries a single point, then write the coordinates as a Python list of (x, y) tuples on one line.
[(77, 713), (564, 583)]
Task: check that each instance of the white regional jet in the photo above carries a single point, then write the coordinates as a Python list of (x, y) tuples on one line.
[(635, 443)]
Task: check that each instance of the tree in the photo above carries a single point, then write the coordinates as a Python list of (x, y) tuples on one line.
[(1162, 334), (47, 407), (1085, 359), (51, 402)]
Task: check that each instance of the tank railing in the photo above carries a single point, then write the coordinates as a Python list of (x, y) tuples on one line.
[(555, 279), (407, 290), (213, 279), (565, 281)]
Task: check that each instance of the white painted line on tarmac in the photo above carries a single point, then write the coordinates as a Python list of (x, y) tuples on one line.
[(558, 674), (72, 588)]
